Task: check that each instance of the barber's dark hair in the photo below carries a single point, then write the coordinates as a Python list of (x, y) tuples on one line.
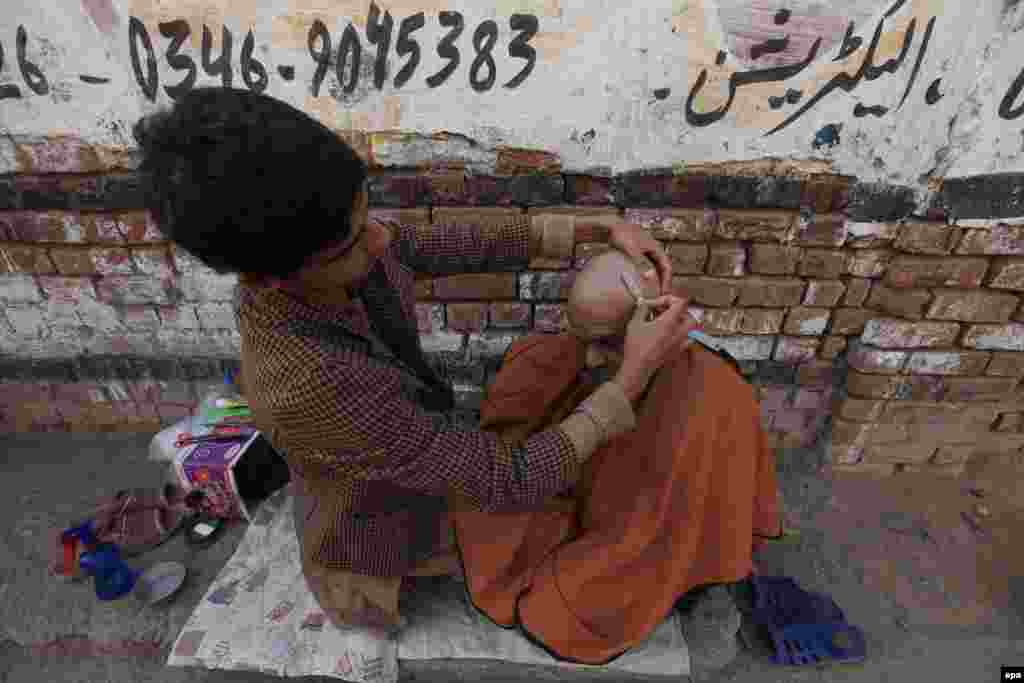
[(247, 183)]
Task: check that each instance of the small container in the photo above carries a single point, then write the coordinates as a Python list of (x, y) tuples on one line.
[(160, 582)]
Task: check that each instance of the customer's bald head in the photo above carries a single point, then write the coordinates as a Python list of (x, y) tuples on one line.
[(599, 303)]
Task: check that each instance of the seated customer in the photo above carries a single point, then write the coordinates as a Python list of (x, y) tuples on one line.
[(678, 503)]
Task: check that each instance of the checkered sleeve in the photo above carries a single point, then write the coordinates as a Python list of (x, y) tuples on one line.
[(453, 248), (362, 424)]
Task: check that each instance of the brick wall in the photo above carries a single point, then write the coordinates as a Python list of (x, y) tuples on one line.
[(890, 331)]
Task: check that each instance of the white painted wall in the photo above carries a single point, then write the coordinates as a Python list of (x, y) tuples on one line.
[(599, 62)]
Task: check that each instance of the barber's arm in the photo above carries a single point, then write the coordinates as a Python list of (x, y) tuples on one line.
[(358, 423)]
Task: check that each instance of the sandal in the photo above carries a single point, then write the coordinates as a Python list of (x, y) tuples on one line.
[(794, 627)]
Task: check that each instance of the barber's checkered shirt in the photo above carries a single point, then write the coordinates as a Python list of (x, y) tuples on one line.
[(344, 413)]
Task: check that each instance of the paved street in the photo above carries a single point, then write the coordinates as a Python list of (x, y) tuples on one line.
[(937, 601)]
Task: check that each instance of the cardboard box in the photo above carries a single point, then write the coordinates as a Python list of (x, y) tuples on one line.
[(236, 476)]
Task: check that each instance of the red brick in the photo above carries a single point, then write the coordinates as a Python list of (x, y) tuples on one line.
[(947, 362), (686, 225), (925, 271), (850, 320), (139, 226), (832, 347), (153, 261), (826, 264), (822, 230), (857, 290), (727, 259), (867, 359), (920, 237), (823, 292), (507, 316), (846, 458), (406, 216), (888, 434), (1006, 273), (905, 303), (995, 337), (467, 317), (756, 226), (846, 434), (688, 259), (549, 318), (796, 349), (873, 469), (131, 290), (952, 455), (808, 399), (817, 374), (826, 194), (516, 161), (707, 291), (807, 321), (761, 321), (873, 386), (868, 262), (57, 154), (869, 235), (1007, 240), (923, 388), (789, 421), (486, 216), (1006, 365), (901, 334), (24, 258), (861, 410), (771, 292), (717, 321), (430, 318), (978, 307), (1010, 422), (584, 190), (773, 397), (908, 453), (979, 388), (92, 261), (545, 286), (476, 286), (774, 259)]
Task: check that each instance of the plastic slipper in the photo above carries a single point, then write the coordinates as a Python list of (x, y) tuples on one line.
[(138, 520), (796, 627)]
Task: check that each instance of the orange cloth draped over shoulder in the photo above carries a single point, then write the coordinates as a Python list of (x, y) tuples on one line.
[(678, 502)]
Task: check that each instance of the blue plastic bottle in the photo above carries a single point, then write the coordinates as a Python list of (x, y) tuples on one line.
[(113, 577)]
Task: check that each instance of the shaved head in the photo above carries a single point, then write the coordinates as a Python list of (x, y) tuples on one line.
[(600, 306)]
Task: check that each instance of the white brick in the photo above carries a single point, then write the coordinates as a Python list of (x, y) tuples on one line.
[(745, 347), (995, 337), (441, 341), (216, 316), (181, 317), (489, 345), (206, 285), (27, 320), (19, 289)]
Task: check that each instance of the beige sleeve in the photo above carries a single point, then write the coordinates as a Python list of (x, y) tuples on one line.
[(605, 414), (555, 234)]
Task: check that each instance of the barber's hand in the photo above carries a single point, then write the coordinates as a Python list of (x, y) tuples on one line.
[(649, 344), (638, 244)]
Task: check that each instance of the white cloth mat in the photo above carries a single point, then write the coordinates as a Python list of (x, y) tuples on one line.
[(259, 615)]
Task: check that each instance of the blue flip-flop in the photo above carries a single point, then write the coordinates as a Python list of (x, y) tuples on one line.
[(804, 628)]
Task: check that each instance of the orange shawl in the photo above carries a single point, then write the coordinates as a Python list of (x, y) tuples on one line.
[(676, 503)]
